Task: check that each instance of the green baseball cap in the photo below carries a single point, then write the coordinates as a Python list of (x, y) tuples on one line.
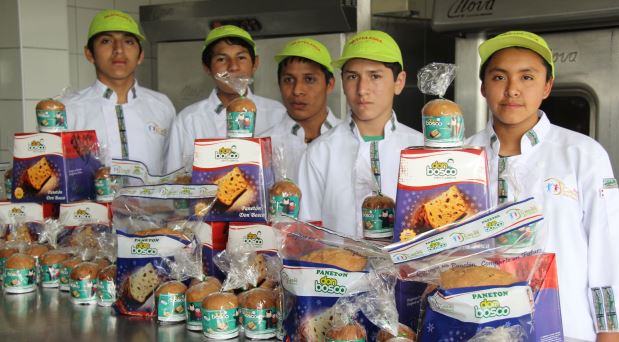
[(113, 20), (373, 45), (228, 31), (306, 48), (523, 39)]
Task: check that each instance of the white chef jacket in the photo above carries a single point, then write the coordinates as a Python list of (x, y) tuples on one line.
[(335, 174), (148, 116), (207, 119), (570, 176), (288, 145)]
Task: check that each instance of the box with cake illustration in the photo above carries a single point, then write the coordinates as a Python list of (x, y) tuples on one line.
[(437, 187), (54, 167), (241, 169)]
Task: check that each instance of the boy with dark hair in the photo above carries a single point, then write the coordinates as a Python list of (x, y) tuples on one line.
[(228, 49), (362, 153), (131, 122), (305, 78), (568, 173)]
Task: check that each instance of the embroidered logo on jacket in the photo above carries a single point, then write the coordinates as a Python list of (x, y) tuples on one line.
[(556, 187), (154, 128)]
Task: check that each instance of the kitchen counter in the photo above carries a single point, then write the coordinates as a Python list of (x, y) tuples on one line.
[(48, 315)]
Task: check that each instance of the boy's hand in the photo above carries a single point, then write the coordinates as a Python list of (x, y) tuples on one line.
[(608, 337)]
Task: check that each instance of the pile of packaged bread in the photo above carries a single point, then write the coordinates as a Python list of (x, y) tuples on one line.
[(218, 246)]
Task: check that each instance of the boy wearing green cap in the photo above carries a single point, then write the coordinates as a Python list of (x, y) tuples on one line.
[(228, 49), (131, 122), (305, 78), (362, 153), (568, 173)]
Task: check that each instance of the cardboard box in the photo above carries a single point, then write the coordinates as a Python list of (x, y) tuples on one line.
[(438, 187), (54, 167), (256, 236), (241, 168), (22, 218)]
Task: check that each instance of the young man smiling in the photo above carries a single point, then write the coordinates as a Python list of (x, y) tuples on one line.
[(228, 49), (568, 173), (362, 153), (305, 78), (131, 122)]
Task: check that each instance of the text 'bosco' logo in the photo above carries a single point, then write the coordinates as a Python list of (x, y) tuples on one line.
[(490, 308), (227, 153), (36, 146), (82, 215), (143, 248), (17, 212), (492, 223), (329, 285), (253, 239), (442, 169)]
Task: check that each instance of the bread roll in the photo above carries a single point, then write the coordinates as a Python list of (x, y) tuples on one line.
[(350, 332), (199, 291), (20, 261), (172, 287), (53, 257), (85, 271), (441, 107), (7, 252), (108, 273), (378, 202), (403, 331), (242, 104), (37, 250), (285, 187), (259, 298), (50, 104), (220, 301)]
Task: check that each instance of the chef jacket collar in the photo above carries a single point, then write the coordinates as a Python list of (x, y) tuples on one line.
[(109, 94), (529, 140), (390, 126), (326, 125)]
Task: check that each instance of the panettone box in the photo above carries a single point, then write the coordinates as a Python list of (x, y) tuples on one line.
[(54, 167), (241, 169), (259, 237), (437, 187), (24, 221)]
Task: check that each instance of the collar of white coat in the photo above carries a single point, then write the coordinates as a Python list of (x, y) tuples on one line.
[(293, 127), (109, 94), (390, 126), (531, 138), (214, 102)]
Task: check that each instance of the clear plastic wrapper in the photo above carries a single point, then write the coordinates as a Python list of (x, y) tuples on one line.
[(19, 273), (194, 297), (51, 265), (501, 334), (51, 113), (148, 225), (240, 112), (221, 314), (244, 268), (83, 283), (258, 314), (435, 78), (170, 302), (319, 267), (284, 195), (482, 281), (106, 286)]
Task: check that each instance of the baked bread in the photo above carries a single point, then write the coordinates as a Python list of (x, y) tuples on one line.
[(340, 257), (448, 207), (260, 265), (349, 332), (37, 250), (231, 186), (53, 257), (84, 237), (85, 271), (108, 273), (102, 262), (20, 261), (143, 282), (403, 331), (39, 173), (259, 298), (199, 291), (7, 252), (285, 187), (315, 328), (220, 301), (441, 107), (172, 286), (241, 104), (72, 262), (21, 233), (475, 276), (378, 202)]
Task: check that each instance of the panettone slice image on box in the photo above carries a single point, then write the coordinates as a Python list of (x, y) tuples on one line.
[(448, 207), (39, 173), (231, 186)]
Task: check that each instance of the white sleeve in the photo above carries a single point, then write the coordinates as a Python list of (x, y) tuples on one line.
[(180, 146), (600, 196), (312, 185)]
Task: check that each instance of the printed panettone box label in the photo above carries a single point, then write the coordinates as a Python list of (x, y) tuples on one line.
[(439, 187), (314, 289), (257, 237), (241, 169), (22, 221), (54, 167)]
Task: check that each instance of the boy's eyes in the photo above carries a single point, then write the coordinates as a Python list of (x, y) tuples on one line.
[(351, 76)]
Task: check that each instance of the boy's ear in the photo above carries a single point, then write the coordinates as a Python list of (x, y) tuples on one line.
[(256, 63), (206, 69), (548, 87), (89, 55), (482, 89), (400, 82), (330, 85)]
